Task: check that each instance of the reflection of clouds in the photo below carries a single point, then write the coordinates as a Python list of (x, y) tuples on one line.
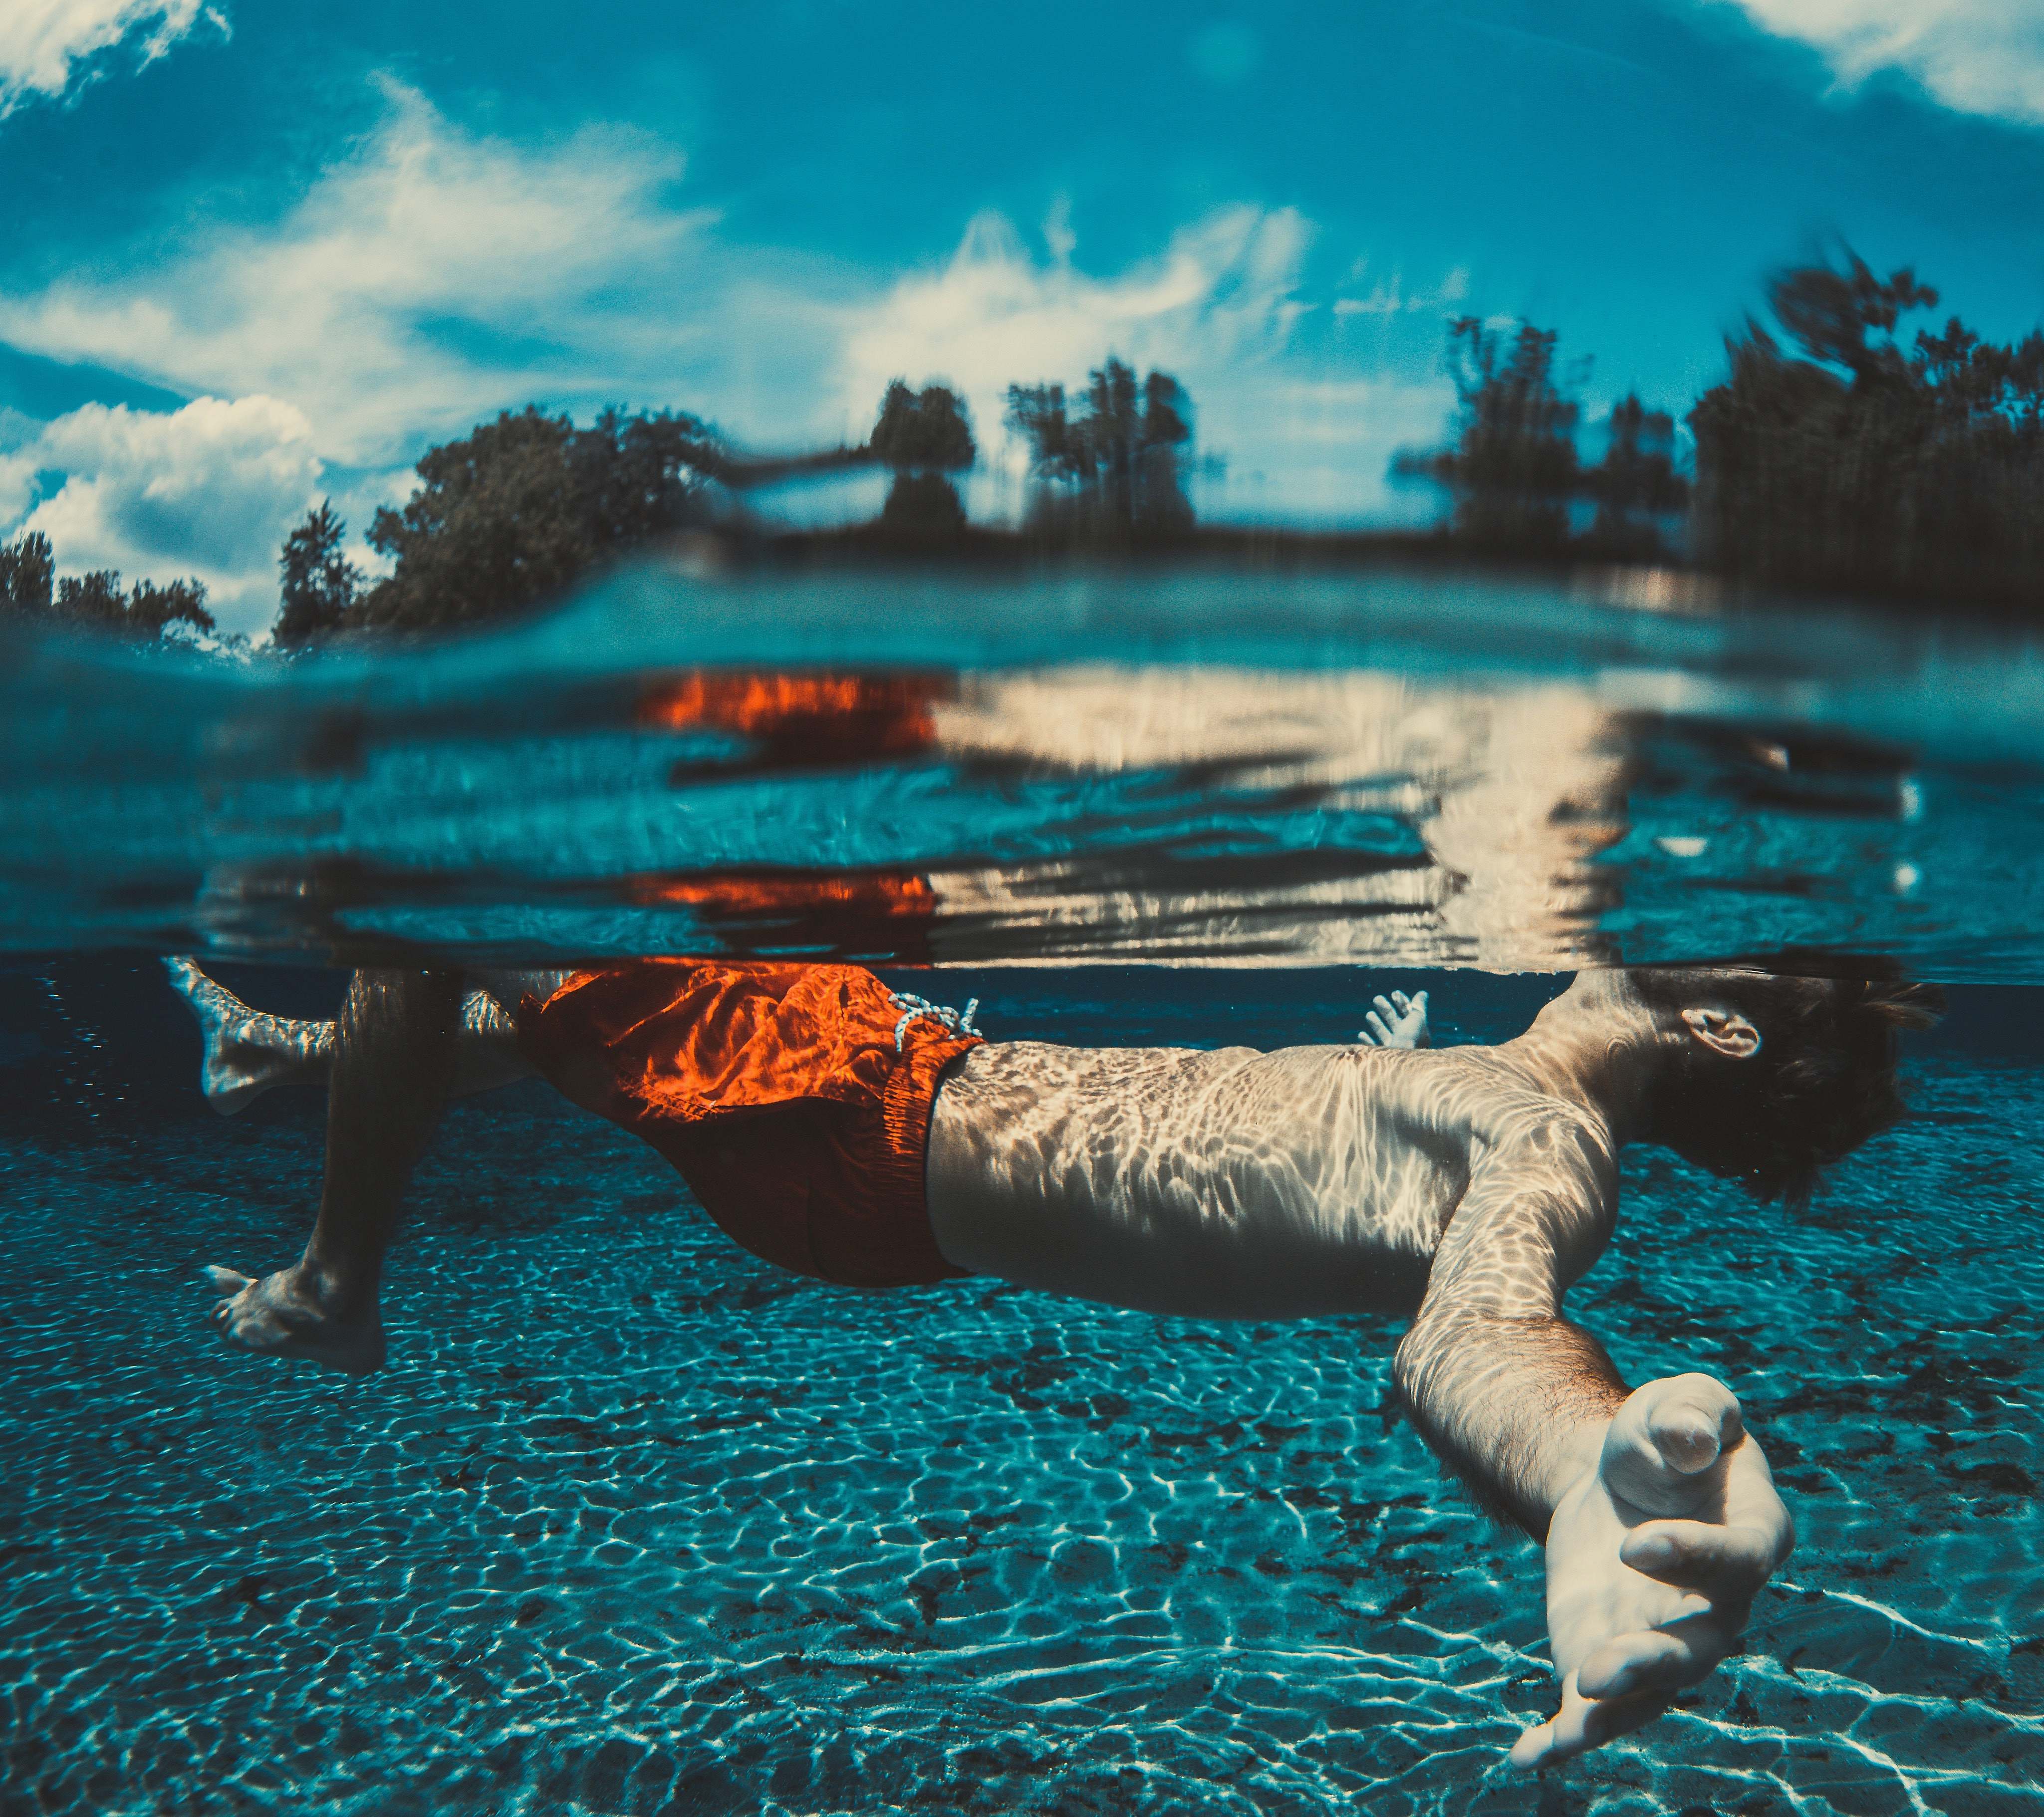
[(1511, 793)]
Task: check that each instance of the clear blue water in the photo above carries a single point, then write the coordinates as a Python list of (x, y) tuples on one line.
[(631, 1523)]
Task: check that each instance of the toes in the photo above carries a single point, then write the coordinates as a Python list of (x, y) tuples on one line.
[(226, 1281)]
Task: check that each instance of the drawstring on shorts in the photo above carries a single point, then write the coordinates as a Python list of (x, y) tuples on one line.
[(915, 1009)]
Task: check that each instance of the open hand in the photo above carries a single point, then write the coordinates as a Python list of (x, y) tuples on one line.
[(1397, 1021), (1654, 1556)]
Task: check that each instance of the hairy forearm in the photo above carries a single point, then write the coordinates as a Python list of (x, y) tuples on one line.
[(1517, 1406)]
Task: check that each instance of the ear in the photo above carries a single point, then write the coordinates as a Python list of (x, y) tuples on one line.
[(1723, 1032)]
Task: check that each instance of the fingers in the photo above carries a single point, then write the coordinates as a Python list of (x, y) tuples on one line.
[(1722, 1562), (1583, 1723), (1692, 1419), (1376, 1029), (1668, 1433), (1662, 1659)]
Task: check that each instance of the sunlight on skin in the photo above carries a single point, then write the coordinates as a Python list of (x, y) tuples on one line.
[(1231, 1183), (1654, 1555), (282, 1316)]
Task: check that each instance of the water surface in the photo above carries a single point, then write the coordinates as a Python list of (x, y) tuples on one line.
[(632, 1523)]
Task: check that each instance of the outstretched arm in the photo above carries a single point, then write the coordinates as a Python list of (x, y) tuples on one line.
[(1659, 1514)]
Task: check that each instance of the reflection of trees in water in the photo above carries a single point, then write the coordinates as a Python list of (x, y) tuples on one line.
[(924, 437)]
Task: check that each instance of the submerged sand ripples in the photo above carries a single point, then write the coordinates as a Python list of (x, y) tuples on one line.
[(633, 1523)]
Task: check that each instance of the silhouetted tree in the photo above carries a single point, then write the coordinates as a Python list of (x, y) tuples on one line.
[(150, 610), (523, 509), (1835, 313), (28, 576), (924, 437), (319, 585), (1866, 466), (1111, 467), (30, 588), (1635, 485), (1513, 467)]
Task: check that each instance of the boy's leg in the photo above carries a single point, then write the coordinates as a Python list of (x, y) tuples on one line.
[(248, 1053), (393, 1062)]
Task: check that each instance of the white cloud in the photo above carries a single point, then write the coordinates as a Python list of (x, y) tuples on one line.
[(425, 280), (1393, 298), (43, 42), (208, 491), (1979, 56), (1218, 309), (428, 278), (994, 314)]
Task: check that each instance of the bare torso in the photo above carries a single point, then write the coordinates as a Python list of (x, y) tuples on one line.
[(1230, 1184)]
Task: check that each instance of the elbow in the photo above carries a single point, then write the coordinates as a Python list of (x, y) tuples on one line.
[(1413, 1368)]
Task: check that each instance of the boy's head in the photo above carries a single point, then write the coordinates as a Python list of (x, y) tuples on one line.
[(1778, 1067)]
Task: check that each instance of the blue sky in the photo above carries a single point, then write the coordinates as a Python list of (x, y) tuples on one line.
[(254, 253)]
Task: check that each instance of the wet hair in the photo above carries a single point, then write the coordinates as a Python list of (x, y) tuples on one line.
[(1822, 1083)]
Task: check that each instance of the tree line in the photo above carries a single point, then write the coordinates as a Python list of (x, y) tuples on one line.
[(30, 588), (1842, 460)]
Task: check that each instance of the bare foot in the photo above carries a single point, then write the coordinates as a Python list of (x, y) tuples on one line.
[(246, 1053), (283, 1316)]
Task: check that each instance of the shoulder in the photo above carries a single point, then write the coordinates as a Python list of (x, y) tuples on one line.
[(1514, 1127)]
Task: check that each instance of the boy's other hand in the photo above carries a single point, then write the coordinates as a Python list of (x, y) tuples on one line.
[(1654, 1557), (1397, 1021)]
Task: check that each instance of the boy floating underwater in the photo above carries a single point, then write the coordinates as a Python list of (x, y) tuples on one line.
[(844, 1132)]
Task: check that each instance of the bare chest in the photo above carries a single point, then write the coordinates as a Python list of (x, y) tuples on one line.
[(1231, 1184)]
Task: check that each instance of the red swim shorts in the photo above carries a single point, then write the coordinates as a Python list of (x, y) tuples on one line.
[(795, 1099)]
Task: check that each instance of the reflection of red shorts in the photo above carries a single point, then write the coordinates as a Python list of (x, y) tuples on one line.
[(837, 913), (779, 1092), (801, 720)]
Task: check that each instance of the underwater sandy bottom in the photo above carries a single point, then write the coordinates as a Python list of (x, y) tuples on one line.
[(633, 1523)]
